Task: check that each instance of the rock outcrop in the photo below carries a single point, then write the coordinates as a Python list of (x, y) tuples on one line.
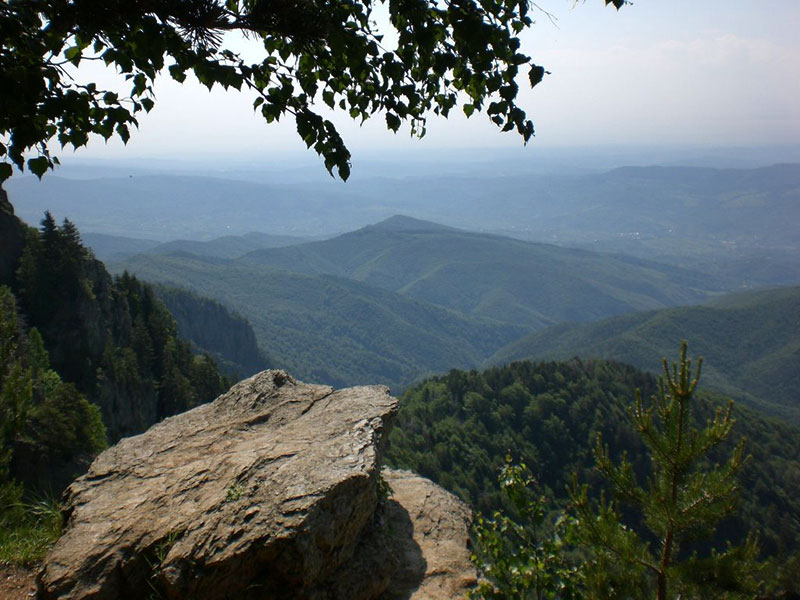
[(270, 492)]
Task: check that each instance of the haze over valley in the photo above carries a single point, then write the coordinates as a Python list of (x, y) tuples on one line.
[(423, 300), (383, 282)]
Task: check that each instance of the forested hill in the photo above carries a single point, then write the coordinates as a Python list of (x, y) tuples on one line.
[(458, 428), (490, 276), (333, 330), (213, 329), (404, 298), (750, 342), (112, 338)]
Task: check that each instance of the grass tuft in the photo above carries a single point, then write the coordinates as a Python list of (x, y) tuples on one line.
[(28, 531)]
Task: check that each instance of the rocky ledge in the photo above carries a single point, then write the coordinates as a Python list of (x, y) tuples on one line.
[(272, 491)]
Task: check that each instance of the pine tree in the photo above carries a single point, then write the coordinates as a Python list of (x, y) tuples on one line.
[(682, 501), (16, 383), (16, 392)]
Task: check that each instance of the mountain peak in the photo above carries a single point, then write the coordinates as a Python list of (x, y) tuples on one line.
[(404, 223)]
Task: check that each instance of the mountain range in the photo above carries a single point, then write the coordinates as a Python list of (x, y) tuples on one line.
[(113, 248), (392, 302), (491, 276), (750, 342), (644, 210)]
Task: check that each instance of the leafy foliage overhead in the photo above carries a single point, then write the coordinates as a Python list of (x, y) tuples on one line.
[(446, 53)]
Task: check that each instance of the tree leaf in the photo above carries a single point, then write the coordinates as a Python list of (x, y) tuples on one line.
[(535, 75), (38, 165)]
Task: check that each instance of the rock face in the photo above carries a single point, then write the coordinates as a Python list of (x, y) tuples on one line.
[(434, 561), (268, 492)]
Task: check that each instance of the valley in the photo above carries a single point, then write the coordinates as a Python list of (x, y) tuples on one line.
[(554, 321), (410, 300), (405, 298)]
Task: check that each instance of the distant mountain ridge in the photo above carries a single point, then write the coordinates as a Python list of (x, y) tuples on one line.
[(109, 248), (229, 246), (508, 280), (392, 302), (113, 248), (750, 342), (653, 210), (408, 224)]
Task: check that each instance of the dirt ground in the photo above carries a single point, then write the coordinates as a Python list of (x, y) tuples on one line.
[(17, 583)]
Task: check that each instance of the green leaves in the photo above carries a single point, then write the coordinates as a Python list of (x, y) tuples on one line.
[(73, 55), (466, 51), (520, 555), (393, 121), (536, 74), (39, 165)]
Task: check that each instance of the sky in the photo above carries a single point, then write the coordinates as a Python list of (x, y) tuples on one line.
[(657, 72)]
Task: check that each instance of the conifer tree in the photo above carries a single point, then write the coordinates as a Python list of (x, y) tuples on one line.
[(682, 501), (16, 391)]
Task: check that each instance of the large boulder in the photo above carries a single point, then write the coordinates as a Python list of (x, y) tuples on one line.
[(272, 491), (415, 547), (260, 494)]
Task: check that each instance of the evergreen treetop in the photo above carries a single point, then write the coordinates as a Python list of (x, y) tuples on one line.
[(683, 499)]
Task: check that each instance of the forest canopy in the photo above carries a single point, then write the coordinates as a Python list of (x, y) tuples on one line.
[(463, 53)]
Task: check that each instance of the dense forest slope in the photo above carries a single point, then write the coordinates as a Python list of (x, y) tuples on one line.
[(750, 342), (112, 338), (213, 329), (457, 429), (491, 276), (358, 308), (48, 430), (332, 330)]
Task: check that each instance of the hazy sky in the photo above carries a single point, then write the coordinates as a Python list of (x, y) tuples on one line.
[(713, 72)]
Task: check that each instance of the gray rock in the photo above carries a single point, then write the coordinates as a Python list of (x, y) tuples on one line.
[(434, 558), (414, 548), (263, 493)]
